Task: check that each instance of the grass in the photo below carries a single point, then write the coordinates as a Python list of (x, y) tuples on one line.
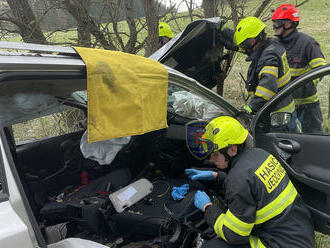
[(49, 126), (321, 240)]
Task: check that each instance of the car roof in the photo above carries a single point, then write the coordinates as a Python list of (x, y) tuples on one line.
[(55, 70)]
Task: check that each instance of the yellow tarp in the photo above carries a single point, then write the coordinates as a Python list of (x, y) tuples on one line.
[(127, 94)]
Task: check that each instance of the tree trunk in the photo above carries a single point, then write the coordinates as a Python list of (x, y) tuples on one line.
[(223, 75), (130, 45), (26, 22), (84, 34), (262, 7), (210, 8), (150, 12), (81, 15)]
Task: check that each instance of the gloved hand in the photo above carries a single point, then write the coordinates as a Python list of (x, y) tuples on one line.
[(199, 174), (248, 109), (201, 199), (225, 37)]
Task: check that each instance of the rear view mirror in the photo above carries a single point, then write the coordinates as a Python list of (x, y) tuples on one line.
[(280, 119)]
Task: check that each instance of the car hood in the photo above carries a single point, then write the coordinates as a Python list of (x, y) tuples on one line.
[(195, 51)]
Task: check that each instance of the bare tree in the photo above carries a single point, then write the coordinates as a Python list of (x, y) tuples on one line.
[(24, 19), (80, 13), (125, 41), (84, 35), (152, 24), (210, 8)]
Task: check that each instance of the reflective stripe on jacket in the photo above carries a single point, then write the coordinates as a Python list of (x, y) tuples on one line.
[(268, 73), (263, 206), (304, 54)]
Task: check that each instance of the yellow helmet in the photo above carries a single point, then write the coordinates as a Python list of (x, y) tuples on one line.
[(222, 132), (164, 30), (249, 27)]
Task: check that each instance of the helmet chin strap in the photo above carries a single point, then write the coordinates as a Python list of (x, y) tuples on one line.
[(248, 49), (228, 158)]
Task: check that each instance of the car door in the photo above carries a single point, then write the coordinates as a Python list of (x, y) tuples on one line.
[(304, 154), (16, 228)]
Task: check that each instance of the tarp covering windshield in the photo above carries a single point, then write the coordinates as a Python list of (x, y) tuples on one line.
[(127, 94)]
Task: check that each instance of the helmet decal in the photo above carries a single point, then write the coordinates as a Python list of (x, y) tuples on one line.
[(197, 144)]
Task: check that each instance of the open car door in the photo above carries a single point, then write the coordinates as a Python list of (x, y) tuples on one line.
[(304, 154)]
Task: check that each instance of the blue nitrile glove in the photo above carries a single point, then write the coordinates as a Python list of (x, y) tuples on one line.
[(194, 174), (178, 193), (201, 198)]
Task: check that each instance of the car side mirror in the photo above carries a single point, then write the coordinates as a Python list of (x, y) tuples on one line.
[(280, 119)]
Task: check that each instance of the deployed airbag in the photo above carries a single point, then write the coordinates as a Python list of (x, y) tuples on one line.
[(103, 152), (22, 107), (193, 106)]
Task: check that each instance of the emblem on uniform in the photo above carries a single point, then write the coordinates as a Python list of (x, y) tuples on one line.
[(194, 140)]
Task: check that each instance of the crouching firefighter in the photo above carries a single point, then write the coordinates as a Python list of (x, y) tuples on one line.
[(263, 208)]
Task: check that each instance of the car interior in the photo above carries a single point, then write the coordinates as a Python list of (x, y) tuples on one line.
[(70, 193)]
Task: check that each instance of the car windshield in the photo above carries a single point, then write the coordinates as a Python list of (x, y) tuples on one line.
[(179, 101)]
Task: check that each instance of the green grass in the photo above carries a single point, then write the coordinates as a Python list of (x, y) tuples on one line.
[(321, 240), (48, 126)]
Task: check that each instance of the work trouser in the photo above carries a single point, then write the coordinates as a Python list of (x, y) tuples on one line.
[(220, 243), (310, 117)]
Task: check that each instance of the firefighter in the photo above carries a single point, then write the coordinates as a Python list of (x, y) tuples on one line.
[(164, 33), (263, 207), (304, 54), (269, 71)]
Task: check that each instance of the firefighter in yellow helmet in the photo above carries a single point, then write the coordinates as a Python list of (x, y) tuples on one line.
[(164, 33), (268, 72), (263, 207)]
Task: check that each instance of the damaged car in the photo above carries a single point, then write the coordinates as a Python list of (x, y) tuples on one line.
[(110, 185)]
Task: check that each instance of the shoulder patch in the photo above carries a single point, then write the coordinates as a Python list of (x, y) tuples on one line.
[(270, 173)]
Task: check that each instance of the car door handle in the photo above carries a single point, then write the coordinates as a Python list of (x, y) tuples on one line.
[(289, 145)]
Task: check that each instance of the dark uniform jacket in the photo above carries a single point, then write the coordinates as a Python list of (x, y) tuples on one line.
[(303, 54), (263, 207), (268, 73)]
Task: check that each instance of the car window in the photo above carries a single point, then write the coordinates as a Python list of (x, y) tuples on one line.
[(312, 109), (68, 121), (189, 104)]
